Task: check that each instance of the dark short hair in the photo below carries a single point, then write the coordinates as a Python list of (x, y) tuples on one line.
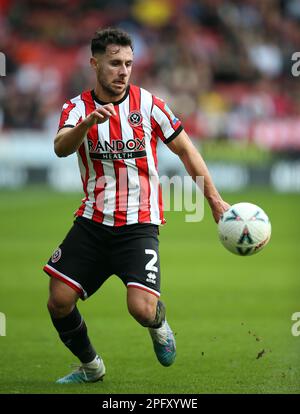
[(109, 36)]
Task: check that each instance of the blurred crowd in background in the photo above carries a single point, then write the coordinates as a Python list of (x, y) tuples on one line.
[(223, 66)]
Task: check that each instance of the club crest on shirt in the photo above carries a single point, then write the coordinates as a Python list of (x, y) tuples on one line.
[(135, 118), (56, 255)]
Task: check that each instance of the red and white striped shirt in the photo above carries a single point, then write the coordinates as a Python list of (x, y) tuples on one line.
[(118, 159)]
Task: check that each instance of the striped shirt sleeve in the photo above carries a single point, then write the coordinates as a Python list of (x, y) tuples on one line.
[(70, 115), (164, 122)]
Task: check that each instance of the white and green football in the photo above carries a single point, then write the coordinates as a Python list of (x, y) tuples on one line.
[(244, 229)]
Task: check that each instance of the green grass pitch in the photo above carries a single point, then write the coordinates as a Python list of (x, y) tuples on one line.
[(231, 315)]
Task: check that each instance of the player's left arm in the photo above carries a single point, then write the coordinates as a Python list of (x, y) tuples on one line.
[(196, 167)]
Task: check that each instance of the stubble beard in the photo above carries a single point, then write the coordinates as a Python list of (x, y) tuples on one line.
[(109, 90)]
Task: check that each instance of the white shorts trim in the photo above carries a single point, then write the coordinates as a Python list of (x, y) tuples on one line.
[(143, 287), (62, 276)]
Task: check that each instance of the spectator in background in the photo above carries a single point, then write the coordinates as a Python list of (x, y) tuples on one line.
[(217, 47)]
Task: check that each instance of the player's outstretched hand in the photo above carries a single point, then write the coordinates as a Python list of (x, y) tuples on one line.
[(100, 115), (218, 207)]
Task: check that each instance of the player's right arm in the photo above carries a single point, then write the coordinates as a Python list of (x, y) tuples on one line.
[(68, 140)]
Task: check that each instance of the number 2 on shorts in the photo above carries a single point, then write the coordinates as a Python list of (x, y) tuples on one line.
[(150, 265)]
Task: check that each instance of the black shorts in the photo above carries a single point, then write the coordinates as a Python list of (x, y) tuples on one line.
[(92, 252)]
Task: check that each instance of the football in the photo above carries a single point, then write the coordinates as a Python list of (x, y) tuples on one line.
[(244, 229)]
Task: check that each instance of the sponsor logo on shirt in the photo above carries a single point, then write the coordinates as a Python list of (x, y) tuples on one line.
[(117, 149)]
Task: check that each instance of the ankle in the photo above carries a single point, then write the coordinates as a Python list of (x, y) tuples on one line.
[(95, 363)]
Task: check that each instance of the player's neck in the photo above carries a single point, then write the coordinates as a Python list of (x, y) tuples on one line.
[(104, 96)]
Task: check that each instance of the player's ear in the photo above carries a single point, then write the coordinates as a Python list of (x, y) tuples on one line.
[(94, 62)]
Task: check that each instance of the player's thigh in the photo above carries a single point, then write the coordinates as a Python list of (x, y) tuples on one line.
[(141, 303), (60, 294)]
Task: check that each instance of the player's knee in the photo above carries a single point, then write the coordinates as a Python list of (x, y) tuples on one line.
[(143, 313), (59, 308)]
